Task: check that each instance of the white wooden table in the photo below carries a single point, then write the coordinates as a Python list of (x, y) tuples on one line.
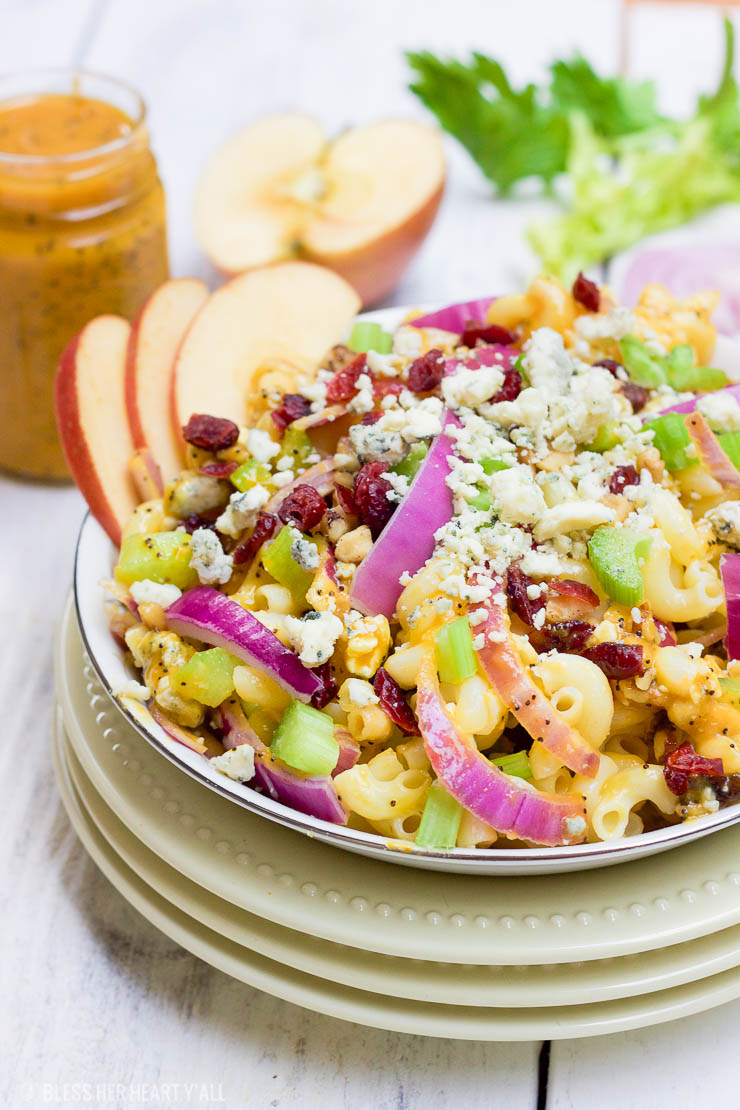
[(91, 996)]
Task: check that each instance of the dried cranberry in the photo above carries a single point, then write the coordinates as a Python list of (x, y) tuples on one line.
[(346, 500), (383, 387), (568, 635), (488, 333), (393, 703), (370, 494), (684, 764), (525, 607), (622, 477), (617, 660), (511, 387), (263, 529), (212, 433), (343, 386), (611, 365), (218, 469), (371, 417), (568, 587), (328, 686), (635, 394), (666, 631), (304, 506), (426, 373), (195, 521), (587, 293), (292, 407)]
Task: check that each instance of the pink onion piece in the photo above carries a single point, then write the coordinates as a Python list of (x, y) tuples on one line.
[(729, 392), (319, 419), (454, 317), (710, 452), (501, 800), (320, 476), (311, 794), (176, 732), (685, 268), (729, 566), (526, 701), (349, 751), (207, 615), (495, 354), (407, 540)]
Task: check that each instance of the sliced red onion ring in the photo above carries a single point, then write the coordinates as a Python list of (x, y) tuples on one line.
[(407, 540), (311, 794), (494, 355), (683, 269), (454, 317), (526, 701), (502, 801), (205, 614), (729, 566), (729, 392), (349, 751)]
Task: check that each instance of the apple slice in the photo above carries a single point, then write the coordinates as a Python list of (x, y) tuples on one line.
[(384, 183), (90, 411), (156, 334), (285, 316), (361, 205), (245, 213)]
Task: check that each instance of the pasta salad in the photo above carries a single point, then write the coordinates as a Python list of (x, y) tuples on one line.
[(471, 583)]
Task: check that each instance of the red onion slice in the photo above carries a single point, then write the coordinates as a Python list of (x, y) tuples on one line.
[(502, 801), (320, 476), (207, 615), (729, 566), (454, 317), (710, 452)]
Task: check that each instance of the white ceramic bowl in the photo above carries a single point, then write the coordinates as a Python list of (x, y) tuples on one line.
[(94, 561)]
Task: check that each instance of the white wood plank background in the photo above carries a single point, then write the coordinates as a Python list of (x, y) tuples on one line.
[(89, 992)]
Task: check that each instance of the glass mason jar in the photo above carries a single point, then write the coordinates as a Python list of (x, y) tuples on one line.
[(82, 232)]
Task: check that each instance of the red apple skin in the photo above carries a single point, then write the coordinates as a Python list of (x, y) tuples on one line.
[(110, 506), (375, 270), (193, 293)]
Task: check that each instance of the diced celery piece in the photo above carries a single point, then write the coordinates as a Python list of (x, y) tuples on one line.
[(481, 501), (160, 556), (295, 445), (305, 740), (278, 561), (731, 687), (490, 466), (606, 438), (671, 438), (730, 444), (681, 373), (409, 466), (614, 554), (250, 474), (517, 764), (643, 367), (208, 676), (369, 336), (440, 821), (455, 655)]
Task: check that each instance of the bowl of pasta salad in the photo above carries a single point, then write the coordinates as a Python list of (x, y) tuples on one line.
[(463, 597)]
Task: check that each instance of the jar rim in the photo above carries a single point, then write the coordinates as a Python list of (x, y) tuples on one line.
[(70, 75)]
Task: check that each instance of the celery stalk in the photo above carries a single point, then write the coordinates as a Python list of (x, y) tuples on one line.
[(305, 740), (440, 821), (614, 554), (160, 556), (730, 444), (671, 437), (517, 764), (278, 561), (409, 466), (208, 677), (369, 336), (455, 655), (490, 466), (250, 474)]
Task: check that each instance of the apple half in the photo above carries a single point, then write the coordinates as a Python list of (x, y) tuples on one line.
[(156, 335), (285, 316), (90, 408), (360, 205)]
